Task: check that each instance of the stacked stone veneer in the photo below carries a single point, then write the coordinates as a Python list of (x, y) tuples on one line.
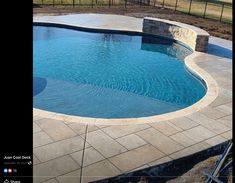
[(194, 37)]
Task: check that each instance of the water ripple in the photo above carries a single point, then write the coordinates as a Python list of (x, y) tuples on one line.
[(133, 70)]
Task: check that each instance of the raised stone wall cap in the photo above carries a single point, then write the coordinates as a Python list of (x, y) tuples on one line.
[(197, 30)]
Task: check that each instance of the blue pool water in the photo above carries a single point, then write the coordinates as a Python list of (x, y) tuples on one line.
[(107, 75)]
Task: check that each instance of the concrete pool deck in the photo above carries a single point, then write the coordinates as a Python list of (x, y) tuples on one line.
[(111, 150)]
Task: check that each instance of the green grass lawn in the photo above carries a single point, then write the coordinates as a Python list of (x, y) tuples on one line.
[(213, 10)]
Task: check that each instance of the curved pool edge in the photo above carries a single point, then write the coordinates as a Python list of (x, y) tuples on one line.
[(190, 63)]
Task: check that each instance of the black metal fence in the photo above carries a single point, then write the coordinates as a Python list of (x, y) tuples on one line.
[(220, 11)]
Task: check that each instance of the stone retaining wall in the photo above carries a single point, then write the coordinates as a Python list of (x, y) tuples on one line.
[(196, 38)]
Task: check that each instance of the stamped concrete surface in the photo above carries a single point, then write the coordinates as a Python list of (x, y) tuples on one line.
[(111, 150)]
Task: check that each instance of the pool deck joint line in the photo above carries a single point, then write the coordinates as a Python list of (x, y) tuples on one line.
[(116, 146)]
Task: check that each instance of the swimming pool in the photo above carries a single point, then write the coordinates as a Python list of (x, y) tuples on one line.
[(106, 75)]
